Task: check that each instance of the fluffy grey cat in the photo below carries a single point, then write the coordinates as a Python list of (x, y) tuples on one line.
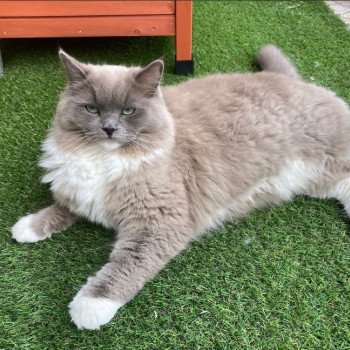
[(162, 165)]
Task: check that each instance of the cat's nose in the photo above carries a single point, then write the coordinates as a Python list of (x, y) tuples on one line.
[(109, 131)]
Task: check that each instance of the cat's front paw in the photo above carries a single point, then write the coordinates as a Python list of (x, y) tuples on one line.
[(90, 313), (23, 231)]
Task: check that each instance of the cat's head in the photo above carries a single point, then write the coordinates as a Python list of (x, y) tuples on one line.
[(115, 107)]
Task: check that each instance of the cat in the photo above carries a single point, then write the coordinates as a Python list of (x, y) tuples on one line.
[(161, 165)]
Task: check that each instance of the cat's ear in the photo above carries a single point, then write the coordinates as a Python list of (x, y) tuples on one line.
[(74, 69), (149, 77)]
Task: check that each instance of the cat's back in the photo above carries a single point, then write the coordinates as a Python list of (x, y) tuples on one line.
[(256, 103), (223, 92)]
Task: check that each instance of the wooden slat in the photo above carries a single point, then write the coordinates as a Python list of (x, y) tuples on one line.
[(37, 8), (163, 25)]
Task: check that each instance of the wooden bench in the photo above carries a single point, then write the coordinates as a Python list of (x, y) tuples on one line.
[(80, 18)]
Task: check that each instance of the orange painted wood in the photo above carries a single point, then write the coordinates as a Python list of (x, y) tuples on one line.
[(183, 35), (28, 8), (74, 18), (162, 25)]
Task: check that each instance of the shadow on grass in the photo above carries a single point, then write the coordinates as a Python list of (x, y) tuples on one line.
[(114, 50)]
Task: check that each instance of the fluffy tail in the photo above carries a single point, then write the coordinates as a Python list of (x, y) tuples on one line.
[(272, 59)]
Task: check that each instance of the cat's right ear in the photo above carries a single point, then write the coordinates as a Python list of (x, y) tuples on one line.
[(73, 68)]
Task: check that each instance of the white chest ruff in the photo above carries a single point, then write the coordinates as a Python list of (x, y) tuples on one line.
[(83, 177)]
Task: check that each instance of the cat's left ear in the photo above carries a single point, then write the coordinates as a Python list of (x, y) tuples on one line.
[(149, 77)]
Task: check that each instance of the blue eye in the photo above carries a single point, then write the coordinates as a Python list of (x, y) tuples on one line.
[(128, 111), (92, 109)]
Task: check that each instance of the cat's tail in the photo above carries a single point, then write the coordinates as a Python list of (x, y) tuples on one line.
[(272, 59)]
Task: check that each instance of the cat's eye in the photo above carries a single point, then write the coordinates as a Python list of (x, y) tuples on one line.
[(128, 111), (92, 109)]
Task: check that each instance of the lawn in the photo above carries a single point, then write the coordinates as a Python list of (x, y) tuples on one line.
[(278, 279)]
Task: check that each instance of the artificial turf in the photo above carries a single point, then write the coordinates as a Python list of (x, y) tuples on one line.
[(279, 279)]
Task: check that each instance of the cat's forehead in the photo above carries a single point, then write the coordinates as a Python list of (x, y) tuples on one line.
[(111, 82)]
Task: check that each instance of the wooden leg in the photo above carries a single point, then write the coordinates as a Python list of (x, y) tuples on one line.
[(1, 66), (183, 37)]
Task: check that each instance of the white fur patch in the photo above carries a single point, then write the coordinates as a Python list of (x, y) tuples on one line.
[(91, 313), (110, 145), (292, 180), (83, 175), (22, 231), (218, 218)]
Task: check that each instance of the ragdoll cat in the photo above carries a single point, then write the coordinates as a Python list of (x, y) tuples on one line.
[(161, 165)]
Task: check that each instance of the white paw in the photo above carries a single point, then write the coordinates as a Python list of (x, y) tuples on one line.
[(91, 313), (22, 231)]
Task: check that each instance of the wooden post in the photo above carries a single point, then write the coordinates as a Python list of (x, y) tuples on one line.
[(183, 37)]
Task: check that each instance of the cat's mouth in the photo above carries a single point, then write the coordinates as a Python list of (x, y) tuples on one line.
[(110, 144), (109, 139), (114, 142)]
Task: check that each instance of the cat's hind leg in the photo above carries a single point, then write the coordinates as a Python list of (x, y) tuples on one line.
[(341, 191), (333, 183), (41, 225)]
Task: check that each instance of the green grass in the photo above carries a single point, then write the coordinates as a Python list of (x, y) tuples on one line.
[(278, 279)]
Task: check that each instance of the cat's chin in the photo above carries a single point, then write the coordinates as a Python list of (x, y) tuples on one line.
[(110, 145)]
